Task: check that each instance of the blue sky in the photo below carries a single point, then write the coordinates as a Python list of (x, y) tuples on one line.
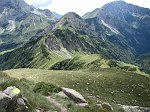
[(78, 6)]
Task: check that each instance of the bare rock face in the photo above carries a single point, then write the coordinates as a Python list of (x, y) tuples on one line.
[(11, 100), (125, 108), (74, 95)]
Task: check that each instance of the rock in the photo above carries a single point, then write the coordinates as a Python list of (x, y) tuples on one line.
[(107, 106), (62, 94), (82, 104), (11, 101), (4, 100), (125, 108), (25, 100), (74, 95), (99, 105), (12, 91), (21, 102), (39, 110), (21, 105), (8, 90)]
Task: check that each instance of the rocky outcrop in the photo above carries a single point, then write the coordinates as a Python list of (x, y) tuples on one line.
[(4, 100), (125, 108), (74, 95), (11, 100)]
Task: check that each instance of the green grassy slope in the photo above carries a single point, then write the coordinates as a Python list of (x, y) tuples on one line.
[(93, 62), (35, 95), (61, 44), (34, 54), (110, 85), (35, 100)]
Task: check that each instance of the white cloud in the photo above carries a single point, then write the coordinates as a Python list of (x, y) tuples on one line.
[(39, 3), (78, 6), (142, 3)]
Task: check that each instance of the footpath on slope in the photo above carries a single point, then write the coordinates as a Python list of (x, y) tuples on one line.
[(57, 104)]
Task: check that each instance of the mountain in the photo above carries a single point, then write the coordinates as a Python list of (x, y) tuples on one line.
[(102, 32), (96, 55), (47, 13), (130, 21), (20, 21), (71, 36)]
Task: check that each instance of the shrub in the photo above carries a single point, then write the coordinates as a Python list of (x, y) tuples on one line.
[(46, 88), (132, 69), (112, 63)]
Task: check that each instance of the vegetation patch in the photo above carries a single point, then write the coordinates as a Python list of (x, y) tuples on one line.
[(46, 88)]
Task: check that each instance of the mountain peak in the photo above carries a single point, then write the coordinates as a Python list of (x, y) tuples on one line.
[(70, 19), (118, 2), (118, 9), (70, 15), (119, 6), (15, 4)]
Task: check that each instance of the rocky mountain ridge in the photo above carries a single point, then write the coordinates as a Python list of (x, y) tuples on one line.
[(102, 32), (130, 21)]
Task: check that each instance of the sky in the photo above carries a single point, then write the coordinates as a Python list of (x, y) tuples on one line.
[(78, 6)]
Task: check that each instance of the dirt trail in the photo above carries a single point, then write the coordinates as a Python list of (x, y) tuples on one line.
[(57, 104)]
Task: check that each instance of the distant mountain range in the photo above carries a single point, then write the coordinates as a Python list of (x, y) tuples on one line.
[(20, 21), (118, 31)]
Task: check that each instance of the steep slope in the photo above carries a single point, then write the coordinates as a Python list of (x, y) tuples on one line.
[(19, 22), (47, 13), (144, 62), (110, 37), (70, 36), (72, 27), (130, 21), (33, 54)]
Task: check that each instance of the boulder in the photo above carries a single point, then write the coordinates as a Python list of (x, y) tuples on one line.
[(62, 94), (107, 106), (11, 100), (125, 108), (74, 95), (12, 91)]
